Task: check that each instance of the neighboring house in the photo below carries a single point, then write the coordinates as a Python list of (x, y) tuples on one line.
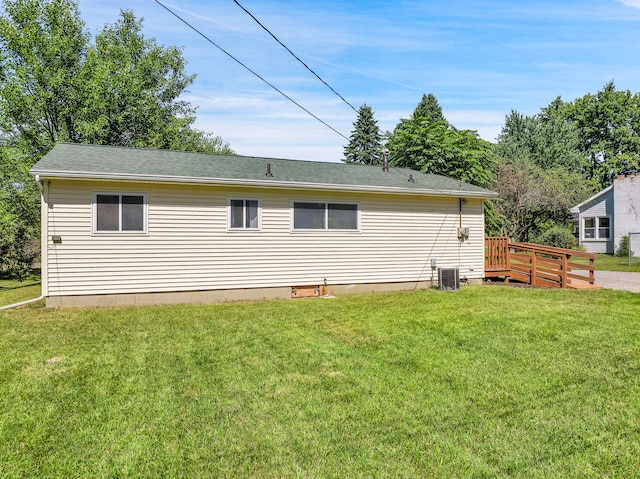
[(136, 226), (603, 219)]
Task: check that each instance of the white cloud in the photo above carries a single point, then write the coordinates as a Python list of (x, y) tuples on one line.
[(631, 3)]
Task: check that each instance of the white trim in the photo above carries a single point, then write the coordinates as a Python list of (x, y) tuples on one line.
[(44, 238), (326, 229), (243, 228), (120, 194), (262, 183), (596, 228)]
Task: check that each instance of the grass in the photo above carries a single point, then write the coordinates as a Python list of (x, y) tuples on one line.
[(484, 382), (607, 262), (12, 291)]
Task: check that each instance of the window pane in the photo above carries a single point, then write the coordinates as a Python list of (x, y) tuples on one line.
[(237, 213), (107, 212), (132, 213), (603, 230), (252, 214), (589, 222), (343, 217), (589, 232), (308, 215)]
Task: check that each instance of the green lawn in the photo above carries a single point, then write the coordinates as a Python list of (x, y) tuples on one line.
[(12, 291), (607, 262), (483, 382)]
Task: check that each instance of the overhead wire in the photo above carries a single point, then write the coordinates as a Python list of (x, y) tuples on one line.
[(249, 69), (294, 55)]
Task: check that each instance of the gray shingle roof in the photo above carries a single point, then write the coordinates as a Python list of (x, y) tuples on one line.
[(117, 163)]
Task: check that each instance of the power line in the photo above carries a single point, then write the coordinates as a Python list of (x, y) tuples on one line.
[(249, 69), (294, 55)]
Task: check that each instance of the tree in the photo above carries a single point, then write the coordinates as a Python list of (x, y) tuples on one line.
[(533, 199), (428, 143), (429, 108), (132, 89), (19, 215), (123, 90), (547, 141), (56, 85), (365, 143), (539, 177), (440, 149), (42, 51), (608, 125)]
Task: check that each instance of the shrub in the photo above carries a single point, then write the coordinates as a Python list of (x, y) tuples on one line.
[(558, 236), (623, 248)]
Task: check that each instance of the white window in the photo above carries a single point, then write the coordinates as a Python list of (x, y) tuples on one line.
[(119, 212), (596, 227), (325, 216), (244, 214)]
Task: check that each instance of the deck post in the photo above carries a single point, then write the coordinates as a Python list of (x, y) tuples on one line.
[(534, 266)]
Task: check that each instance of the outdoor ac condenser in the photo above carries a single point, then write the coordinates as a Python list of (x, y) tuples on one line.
[(449, 279)]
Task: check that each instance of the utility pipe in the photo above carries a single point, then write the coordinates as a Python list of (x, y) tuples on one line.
[(15, 305)]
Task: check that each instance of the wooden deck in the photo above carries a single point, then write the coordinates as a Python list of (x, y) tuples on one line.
[(539, 265)]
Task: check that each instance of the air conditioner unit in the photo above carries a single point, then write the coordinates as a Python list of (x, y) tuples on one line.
[(449, 279)]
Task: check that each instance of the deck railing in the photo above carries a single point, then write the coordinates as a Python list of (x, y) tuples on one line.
[(537, 264)]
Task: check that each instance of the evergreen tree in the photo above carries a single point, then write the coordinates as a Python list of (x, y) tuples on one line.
[(365, 143), (429, 108)]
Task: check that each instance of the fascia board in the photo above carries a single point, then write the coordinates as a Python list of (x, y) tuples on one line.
[(258, 183), (576, 208)]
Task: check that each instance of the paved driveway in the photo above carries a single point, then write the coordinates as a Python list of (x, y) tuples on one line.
[(617, 280)]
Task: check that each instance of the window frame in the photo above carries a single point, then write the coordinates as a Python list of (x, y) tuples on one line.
[(244, 228), (119, 231), (326, 228), (595, 228)]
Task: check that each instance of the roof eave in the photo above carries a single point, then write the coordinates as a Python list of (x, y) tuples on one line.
[(576, 208), (259, 183)]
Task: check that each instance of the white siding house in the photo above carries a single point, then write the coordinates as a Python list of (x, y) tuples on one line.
[(604, 218), (132, 226)]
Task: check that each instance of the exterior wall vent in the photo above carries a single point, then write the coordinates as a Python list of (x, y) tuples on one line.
[(305, 291), (449, 279)]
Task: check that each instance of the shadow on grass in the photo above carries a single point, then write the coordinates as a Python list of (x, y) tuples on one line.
[(8, 283)]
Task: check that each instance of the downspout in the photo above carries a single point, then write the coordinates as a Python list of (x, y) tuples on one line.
[(21, 303), (43, 255)]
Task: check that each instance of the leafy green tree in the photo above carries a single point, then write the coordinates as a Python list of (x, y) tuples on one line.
[(438, 148), (533, 199), (19, 215), (428, 143), (547, 141), (42, 46), (132, 89), (56, 85), (123, 90), (540, 175), (365, 143), (608, 125)]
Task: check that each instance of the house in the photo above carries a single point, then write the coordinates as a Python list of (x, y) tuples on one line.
[(604, 218), (136, 226)]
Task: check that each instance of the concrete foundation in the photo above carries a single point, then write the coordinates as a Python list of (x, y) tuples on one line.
[(225, 295)]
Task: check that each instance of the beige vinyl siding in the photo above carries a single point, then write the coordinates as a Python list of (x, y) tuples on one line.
[(188, 246)]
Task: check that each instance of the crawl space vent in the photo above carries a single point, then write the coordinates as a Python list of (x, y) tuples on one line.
[(449, 279)]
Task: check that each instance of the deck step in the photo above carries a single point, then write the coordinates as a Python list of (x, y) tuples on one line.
[(584, 286)]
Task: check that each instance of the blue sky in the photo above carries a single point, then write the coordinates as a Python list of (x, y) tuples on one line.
[(480, 59)]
